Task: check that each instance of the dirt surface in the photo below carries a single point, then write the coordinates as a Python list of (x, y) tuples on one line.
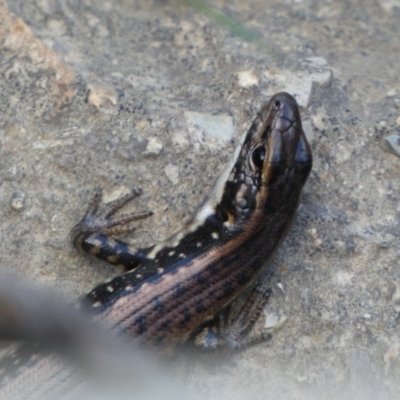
[(156, 95)]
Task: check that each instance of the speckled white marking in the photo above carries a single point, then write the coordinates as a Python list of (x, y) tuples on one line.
[(128, 287), (109, 288), (206, 208), (171, 253), (215, 235), (97, 304), (203, 213), (173, 241), (214, 198), (182, 255), (94, 251), (112, 259), (139, 275), (160, 270), (98, 243), (199, 244)]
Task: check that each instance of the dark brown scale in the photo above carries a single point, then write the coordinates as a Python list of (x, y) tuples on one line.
[(253, 215)]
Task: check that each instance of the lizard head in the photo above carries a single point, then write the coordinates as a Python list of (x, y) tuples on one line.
[(271, 164)]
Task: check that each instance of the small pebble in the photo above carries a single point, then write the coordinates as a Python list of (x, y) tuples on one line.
[(247, 79), (316, 62), (153, 146), (101, 95), (217, 126), (312, 233), (393, 144), (17, 201), (172, 172)]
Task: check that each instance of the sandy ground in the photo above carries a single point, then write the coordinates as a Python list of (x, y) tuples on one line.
[(156, 95)]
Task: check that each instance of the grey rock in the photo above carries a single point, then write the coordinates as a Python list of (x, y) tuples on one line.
[(393, 144)]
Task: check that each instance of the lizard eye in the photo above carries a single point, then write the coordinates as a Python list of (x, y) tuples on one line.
[(258, 157)]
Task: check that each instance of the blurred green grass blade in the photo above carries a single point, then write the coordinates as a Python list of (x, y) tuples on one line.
[(235, 27)]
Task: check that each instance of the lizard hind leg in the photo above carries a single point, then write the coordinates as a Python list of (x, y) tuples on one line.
[(233, 330)]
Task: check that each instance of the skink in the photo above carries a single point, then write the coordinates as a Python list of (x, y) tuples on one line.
[(170, 291), (173, 288)]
